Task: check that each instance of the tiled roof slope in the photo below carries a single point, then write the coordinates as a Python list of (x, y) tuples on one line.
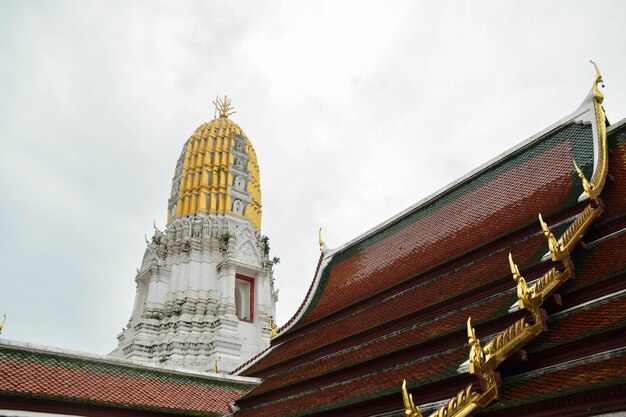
[(468, 215), (393, 303), (61, 382), (578, 367)]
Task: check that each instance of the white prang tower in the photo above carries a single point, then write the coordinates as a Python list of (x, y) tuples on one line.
[(205, 291)]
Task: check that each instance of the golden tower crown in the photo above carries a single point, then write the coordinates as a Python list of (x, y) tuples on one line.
[(224, 107), (217, 171)]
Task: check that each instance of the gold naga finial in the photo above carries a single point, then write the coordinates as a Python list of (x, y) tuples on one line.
[(215, 369), (224, 107), (410, 409), (3, 321), (477, 355), (479, 364), (514, 269), (587, 186), (553, 244), (597, 94), (273, 328), (319, 237)]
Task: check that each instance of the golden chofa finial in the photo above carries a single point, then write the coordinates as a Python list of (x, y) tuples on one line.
[(319, 238), (597, 94), (224, 107), (598, 74), (3, 321)]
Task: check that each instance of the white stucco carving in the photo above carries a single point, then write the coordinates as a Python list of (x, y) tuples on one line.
[(246, 253), (184, 312)]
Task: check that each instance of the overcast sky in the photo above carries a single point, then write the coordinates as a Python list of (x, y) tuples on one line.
[(356, 111)]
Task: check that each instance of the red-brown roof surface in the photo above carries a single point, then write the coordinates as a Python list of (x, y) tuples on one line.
[(393, 305), (572, 380), (476, 217), (424, 294), (39, 375)]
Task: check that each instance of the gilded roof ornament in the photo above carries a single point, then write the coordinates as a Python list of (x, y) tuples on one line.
[(478, 363), (224, 107), (3, 321), (476, 355), (466, 402), (579, 227), (410, 409), (524, 294), (215, 368), (320, 241), (598, 178), (598, 96), (556, 251), (484, 361), (273, 328), (590, 189)]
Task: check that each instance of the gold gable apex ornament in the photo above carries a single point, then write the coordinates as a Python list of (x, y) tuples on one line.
[(3, 321), (320, 241), (602, 168), (597, 94)]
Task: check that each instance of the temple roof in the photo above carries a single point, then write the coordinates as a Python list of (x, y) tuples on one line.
[(459, 218), (393, 303), (44, 379)]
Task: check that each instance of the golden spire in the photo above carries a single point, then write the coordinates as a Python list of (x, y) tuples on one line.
[(224, 107)]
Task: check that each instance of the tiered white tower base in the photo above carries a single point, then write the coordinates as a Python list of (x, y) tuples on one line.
[(205, 293)]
